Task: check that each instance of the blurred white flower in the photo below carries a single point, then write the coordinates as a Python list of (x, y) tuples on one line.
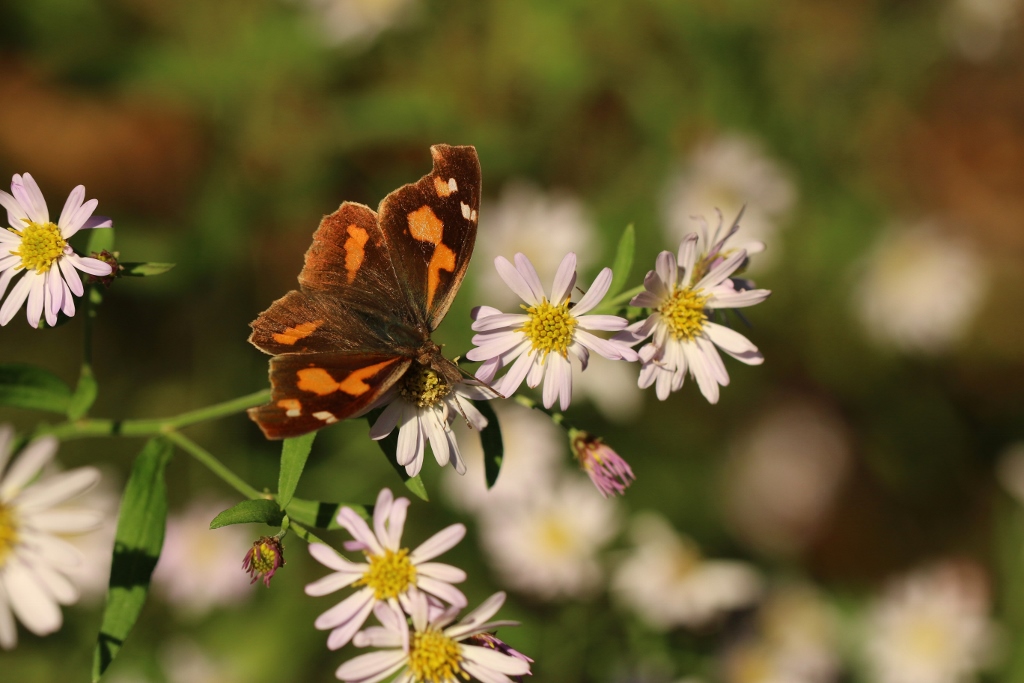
[(547, 546), (611, 387), (977, 29), (920, 289), (97, 546), (184, 661), (796, 641), (359, 22), (784, 473), (667, 582), (534, 447), (35, 561), (725, 174), (543, 226), (930, 626), (201, 568)]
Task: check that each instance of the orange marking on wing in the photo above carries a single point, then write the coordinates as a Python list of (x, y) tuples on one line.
[(354, 384), (317, 381), (425, 226), (294, 334), (443, 259), (355, 250), (443, 190), (292, 406)]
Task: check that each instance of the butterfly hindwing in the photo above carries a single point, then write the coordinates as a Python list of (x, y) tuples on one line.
[(430, 227), (313, 390)]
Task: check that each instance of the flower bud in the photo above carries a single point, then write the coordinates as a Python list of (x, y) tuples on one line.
[(606, 468), (263, 559)]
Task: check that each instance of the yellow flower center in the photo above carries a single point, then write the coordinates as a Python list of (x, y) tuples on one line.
[(683, 312), (555, 537), (423, 387), (926, 637), (41, 245), (389, 574), (435, 658), (550, 327), (8, 533)]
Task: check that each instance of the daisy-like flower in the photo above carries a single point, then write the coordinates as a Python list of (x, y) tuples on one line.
[(668, 583), (423, 406), (34, 560), (540, 340), (932, 626), (40, 248), (391, 574), (436, 651), (684, 339)]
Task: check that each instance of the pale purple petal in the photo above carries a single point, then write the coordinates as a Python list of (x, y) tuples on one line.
[(701, 372), (346, 617), (396, 524), (714, 361), (31, 199), (530, 277), (557, 381), (610, 349), (78, 218), (16, 214), (441, 542), (72, 205), (97, 222), (371, 667), (487, 609), (440, 572), (536, 375), (440, 589), (565, 279), (90, 265), (515, 281), (740, 299), (331, 583), (327, 556), (609, 323), (722, 270), (596, 292), (733, 343), (502, 320), (71, 276), (69, 302), (508, 384), (667, 268), (688, 256), (481, 312), (497, 661), (387, 421), (360, 530)]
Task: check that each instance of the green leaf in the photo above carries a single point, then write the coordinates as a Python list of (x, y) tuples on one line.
[(140, 536), (100, 239), (293, 459), (389, 444), (321, 515), (84, 396), (26, 386), (623, 263), (250, 512), (491, 442), (145, 269)]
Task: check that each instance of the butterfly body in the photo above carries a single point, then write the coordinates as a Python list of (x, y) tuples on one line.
[(373, 288)]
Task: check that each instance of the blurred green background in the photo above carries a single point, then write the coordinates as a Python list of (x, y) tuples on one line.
[(216, 134)]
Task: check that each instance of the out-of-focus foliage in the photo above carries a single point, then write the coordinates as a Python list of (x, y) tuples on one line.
[(218, 133)]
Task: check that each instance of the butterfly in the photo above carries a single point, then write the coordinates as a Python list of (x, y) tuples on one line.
[(373, 287)]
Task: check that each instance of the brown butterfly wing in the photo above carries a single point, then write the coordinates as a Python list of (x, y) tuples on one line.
[(430, 227), (313, 390)]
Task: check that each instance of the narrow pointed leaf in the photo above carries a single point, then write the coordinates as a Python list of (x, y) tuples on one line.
[(491, 442), (137, 545), (84, 396), (294, 453), (250, 512), (26, 386), (623, 262)]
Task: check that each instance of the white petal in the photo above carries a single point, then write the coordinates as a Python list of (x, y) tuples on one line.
[(611, 323), (69, 302), (495, 660), (610, 349), (410, 443), (346, 618), (396, 524), (444, 591), (487, 609), (32, 605), (55, 583), (688, 256), (5, 278), (90, 265), (715, 364), (16, 214), (31, 199), (27, 465), (387, 421), (495, 322), (372, 667), (740, 299), (508, 384), (66, 520), (667, 268), (6, 446), (330, 584), (701, 371), (440, 572), (71, 276), (596, 292), (360, 530), (8, 630), (77, 220), (565, 279), (722, 270), (439, 543), (58, 488), (536, 375), (329, 557), (733, 343), (529, 273), (515, 281), (438, 439)]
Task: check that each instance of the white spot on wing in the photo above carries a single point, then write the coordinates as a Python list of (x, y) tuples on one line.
[(472, 216), (465, 211), (293, 412), (452, 185), (326, 416)]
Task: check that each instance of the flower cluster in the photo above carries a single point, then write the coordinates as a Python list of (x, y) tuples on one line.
[(394, 582)]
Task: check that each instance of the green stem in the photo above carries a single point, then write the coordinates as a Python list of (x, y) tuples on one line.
[(618, 301), (556, 417), (213, 464), (85, 428)]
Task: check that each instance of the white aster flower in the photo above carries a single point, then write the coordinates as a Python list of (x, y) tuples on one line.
[(668, 583), (35, 561), (423, 405), (533, 450), (684, 339), (725, 174), (199, 567), (542, 226), (435, 651), (548, 545), (391, 574), (784, 473), (39, 248), (931, 626), (919, 289), (540, 340)]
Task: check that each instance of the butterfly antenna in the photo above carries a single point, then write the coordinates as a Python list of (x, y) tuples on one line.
[(468, 375)]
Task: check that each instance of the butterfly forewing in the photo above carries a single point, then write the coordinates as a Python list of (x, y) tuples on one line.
[(431, 228)]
